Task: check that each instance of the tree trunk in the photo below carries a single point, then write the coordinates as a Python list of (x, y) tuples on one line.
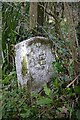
[(36, 17), (33, 15), (73, 38)]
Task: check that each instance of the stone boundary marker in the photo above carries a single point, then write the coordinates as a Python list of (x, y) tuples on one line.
[(34, 58)]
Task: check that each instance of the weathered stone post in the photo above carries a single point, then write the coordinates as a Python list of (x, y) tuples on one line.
[(34, 62)]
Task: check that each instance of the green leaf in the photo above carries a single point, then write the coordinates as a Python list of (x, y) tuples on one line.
[(44, 101), (23, 115), (47, 90), (26, 114), (78, 114), (8, 77), (56, 83), (77, 90)]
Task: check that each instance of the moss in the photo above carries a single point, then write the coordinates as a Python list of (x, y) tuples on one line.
[(42, 41), (24, 66)]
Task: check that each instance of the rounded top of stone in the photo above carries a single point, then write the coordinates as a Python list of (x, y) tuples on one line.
[(37, 39)]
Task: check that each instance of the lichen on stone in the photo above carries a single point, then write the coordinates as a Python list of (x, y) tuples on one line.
[(24, 63)]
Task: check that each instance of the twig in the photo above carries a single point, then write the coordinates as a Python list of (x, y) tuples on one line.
[(49, 13), (72, 81)]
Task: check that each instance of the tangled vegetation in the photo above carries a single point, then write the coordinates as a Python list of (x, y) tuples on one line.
[(61, 97)]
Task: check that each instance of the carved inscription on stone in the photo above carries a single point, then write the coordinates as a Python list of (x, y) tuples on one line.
[(34, 62)]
